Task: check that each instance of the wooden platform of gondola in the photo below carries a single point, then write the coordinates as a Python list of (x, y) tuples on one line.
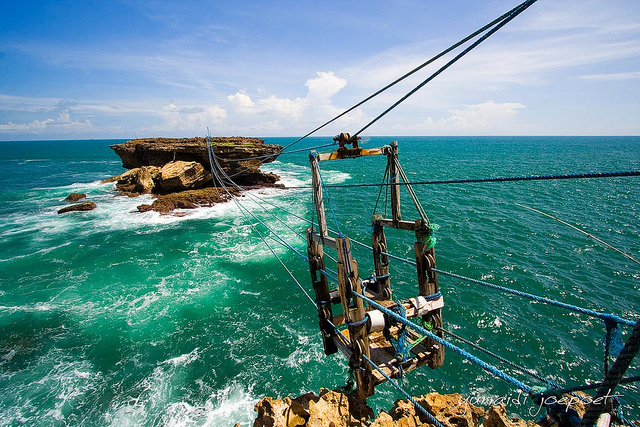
[(383, 354)]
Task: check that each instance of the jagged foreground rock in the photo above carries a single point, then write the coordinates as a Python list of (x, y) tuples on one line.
[(336, 409)]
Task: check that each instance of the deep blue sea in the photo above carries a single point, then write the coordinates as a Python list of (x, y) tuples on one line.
[(112, 317)]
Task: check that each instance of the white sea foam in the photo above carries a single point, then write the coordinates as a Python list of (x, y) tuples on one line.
[(183, 359), (58, 382), (292, 175), (154, 404), (120, 212), (37, 307)]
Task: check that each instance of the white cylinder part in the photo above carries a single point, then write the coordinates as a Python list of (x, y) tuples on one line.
[(376, 319)]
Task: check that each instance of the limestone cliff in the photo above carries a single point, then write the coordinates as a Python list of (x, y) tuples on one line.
[(237, 155), (178, 171)]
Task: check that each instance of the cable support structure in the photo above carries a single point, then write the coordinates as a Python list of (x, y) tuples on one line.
[(587, 175), (513, 13), (506, 16), (470, 357)]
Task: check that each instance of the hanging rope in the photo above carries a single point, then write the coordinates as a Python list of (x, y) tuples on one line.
[(588, 175), (529, 372), (216, 170), (592, 313), (582, 231), (515, 12), (484, 365)]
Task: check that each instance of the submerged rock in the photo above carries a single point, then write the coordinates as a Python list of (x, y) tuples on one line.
[(86, 206), (190, 199), (74, 197)]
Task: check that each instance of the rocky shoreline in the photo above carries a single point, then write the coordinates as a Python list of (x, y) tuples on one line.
[(337, 409), (178, 174)]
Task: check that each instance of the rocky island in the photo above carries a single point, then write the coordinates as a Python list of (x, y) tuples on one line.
[(178, 173)]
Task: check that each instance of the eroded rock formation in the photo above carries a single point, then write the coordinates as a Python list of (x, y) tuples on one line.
[(178, 170), (229, 152)]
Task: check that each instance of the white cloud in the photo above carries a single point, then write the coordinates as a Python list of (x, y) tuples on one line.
[(193, 120), (241, 101), (324, 86), (488, 117), (632, 75), (48, 126), (36, 126), (293, 115), (482, 116)]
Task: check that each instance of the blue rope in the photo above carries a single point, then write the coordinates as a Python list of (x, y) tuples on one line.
[(592, 313), (359, 322), (400, 345), (617, 174), (432, 297), (546, 381), (484, 365), (328, 275), (613, 339)]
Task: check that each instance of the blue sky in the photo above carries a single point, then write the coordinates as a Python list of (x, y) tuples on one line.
[(120, 69)]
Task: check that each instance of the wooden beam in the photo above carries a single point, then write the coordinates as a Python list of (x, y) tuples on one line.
[(321, 288), (317, 194), (428, 285), (349, 153), (380, 259), (394, 178), (353, 309), (402, 225), (325, 241)]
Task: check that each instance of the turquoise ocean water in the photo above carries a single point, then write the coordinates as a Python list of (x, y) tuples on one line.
[(117, 318)]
